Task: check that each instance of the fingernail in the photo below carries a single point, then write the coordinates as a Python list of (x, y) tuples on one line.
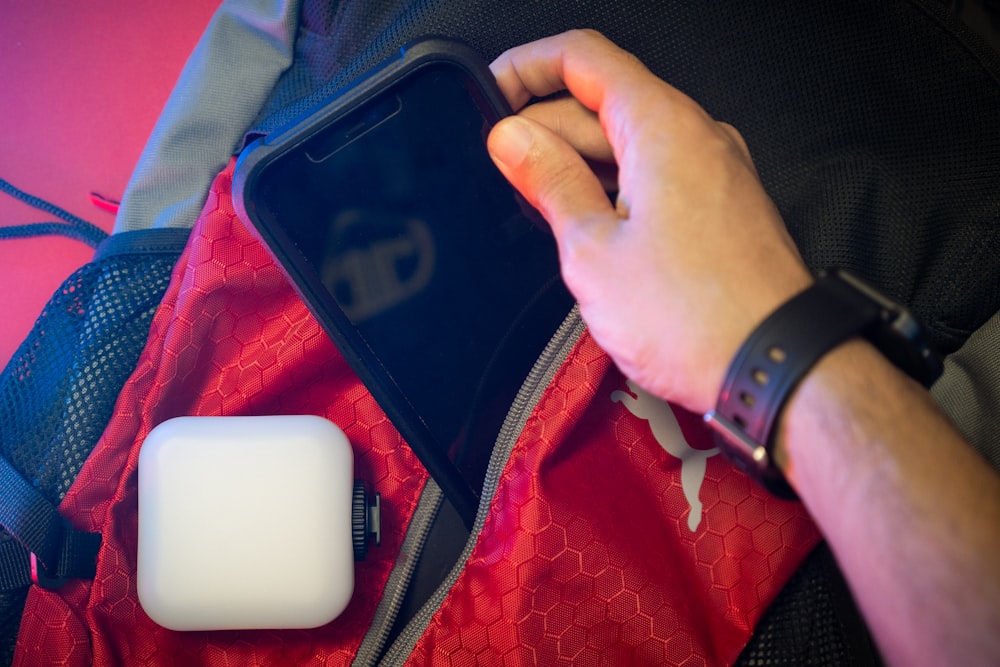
[(512, 140)]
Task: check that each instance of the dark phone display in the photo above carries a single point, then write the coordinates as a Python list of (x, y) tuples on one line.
[(446, 289)]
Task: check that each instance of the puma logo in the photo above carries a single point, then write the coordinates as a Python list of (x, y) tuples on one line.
[(668, 433)]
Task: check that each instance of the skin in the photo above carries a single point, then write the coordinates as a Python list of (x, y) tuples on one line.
[(673, 276)]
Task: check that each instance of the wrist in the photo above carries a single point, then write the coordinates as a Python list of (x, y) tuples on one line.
[(742, 324), (840, 379), (785, 348)]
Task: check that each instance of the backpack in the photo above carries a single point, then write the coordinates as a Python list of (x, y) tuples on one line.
[(590, 545)]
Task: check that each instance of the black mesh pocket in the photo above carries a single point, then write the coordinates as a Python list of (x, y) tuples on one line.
[(813, 621), (58, 391)]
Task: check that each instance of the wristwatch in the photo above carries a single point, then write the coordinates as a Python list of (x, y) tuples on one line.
[(780, 352)]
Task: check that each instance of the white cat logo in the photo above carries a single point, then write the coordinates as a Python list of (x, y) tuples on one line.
[(667, 432)]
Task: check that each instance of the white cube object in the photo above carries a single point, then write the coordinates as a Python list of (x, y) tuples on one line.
[(245, 523)]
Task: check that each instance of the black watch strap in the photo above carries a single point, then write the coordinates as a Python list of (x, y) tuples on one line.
[(780, 352)]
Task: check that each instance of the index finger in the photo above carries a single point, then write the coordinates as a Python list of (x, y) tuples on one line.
[(585, 62), (628, 99)]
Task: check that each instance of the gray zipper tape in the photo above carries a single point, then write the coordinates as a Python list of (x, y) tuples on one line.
[(538, 380)]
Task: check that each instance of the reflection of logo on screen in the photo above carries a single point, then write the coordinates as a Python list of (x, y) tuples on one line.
[(375, 261)]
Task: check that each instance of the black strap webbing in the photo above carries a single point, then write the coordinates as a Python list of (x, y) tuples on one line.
[(46, 549)]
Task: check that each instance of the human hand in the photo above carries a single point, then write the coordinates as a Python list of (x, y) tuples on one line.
[(674, 276)]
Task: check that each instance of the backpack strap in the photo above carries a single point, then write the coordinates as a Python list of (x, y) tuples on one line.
[(46, 549), (40, 546)]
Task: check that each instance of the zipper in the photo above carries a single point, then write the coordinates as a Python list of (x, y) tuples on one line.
[(399, 578), (531, 392)]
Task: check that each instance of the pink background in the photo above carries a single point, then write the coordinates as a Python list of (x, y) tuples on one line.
[(83, 85)]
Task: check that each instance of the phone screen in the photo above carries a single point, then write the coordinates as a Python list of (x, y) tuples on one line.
[(443, 282)]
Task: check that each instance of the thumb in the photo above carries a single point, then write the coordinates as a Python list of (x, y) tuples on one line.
[(548, 172)]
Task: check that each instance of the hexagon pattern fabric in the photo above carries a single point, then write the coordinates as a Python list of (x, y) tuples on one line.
[(230, 337), (615, 535), (587, 555)]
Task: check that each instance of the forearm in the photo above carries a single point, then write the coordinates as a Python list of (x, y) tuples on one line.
[(910, 510), (694, 249)]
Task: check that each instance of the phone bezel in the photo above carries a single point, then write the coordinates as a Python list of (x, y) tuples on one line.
[(253, 164)]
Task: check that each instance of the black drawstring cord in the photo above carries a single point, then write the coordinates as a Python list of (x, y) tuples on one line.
[(72, 226)]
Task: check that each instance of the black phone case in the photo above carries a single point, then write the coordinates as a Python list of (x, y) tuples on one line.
[(254, 160)]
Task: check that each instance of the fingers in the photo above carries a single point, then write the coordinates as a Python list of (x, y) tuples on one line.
[(735, 137), (586, 63), (575, 123), (740, 143), (635, 110), (580, 128), (549, 173)]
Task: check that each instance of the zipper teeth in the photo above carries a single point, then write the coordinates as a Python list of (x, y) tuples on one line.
[(399, 578), (524, 403)]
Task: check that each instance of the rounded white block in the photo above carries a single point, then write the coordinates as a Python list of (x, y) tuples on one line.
[(245, 523)]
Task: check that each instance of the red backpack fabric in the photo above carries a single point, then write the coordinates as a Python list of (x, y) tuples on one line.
[(613, 535), (587, 554)]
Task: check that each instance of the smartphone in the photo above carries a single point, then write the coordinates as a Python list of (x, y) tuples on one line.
[(436, 280)]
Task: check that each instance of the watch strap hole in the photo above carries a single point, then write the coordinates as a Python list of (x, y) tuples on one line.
[(785, 346)]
